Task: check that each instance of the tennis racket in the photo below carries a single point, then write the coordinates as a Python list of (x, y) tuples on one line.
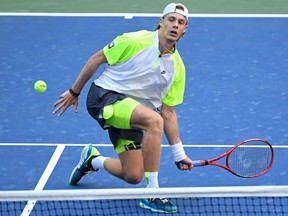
[(248, 159)]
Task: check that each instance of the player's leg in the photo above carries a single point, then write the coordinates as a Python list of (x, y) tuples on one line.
[(149, 120), (111, 110), (152, 123), (130, 167), (128, 114), (127, 143)]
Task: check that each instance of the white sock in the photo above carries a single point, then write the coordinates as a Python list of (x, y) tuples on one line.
[(98, 162), (151, 179)]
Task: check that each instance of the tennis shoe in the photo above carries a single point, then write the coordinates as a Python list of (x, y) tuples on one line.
[(84, 166), (161, 205)]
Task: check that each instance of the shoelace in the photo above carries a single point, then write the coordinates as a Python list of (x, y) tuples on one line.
[(162, 199)]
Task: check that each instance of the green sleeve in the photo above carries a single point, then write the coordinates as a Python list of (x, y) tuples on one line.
[(126, 46), (175, 94)]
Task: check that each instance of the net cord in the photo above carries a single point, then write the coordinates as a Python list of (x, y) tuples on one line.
[(139, 193)]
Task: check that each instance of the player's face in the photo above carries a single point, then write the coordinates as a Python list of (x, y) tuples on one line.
[(173, 26)]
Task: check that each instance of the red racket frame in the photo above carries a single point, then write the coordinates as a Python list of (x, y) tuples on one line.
[(199, 163)]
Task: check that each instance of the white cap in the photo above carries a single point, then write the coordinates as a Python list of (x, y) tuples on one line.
[(172, 8)]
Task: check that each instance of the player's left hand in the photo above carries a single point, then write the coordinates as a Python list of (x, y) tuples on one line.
[(185, 164)]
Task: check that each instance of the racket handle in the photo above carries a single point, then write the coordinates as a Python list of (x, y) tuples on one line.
[(198, 163)]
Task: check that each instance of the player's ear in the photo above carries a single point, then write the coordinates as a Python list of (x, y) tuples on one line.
[(161, 22), (185, 29)]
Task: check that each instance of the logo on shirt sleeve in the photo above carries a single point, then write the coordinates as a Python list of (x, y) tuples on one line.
[(110, 45)]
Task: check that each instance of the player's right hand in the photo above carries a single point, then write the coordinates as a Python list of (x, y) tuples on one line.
[(185, 164), (65, 100)]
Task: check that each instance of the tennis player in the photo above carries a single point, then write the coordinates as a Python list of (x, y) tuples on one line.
[(134, 99)]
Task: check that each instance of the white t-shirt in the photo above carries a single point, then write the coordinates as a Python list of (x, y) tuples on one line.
[(136, 68)]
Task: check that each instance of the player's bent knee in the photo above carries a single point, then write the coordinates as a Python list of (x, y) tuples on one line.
[(134, 178), (156, 123)]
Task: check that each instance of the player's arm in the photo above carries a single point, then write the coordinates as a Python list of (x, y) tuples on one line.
[(171, 130), (71, 96), (89, 70)]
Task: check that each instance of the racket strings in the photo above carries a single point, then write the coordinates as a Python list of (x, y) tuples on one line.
[(250, 159)]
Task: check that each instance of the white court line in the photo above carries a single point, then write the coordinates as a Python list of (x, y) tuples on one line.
[(110, 145), (131, 15), (44, 178)]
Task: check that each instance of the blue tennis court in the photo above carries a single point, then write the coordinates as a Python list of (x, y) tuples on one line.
[(236, 89)]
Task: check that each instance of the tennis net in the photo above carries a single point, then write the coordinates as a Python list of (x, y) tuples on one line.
[(250, 200)]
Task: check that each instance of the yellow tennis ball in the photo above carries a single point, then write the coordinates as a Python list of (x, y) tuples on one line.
[(40, 86)]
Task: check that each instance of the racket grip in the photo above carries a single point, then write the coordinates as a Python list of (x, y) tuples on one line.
[(198, 163)]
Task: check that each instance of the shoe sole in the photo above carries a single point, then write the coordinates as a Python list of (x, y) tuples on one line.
[(71, 177)]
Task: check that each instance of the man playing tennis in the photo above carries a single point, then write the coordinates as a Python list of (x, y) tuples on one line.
[(134, 99)]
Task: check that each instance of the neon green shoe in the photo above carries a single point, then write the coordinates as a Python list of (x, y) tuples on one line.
[(88, 153)]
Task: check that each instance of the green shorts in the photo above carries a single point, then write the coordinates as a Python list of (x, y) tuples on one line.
[(118, 115), (113, 112)]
